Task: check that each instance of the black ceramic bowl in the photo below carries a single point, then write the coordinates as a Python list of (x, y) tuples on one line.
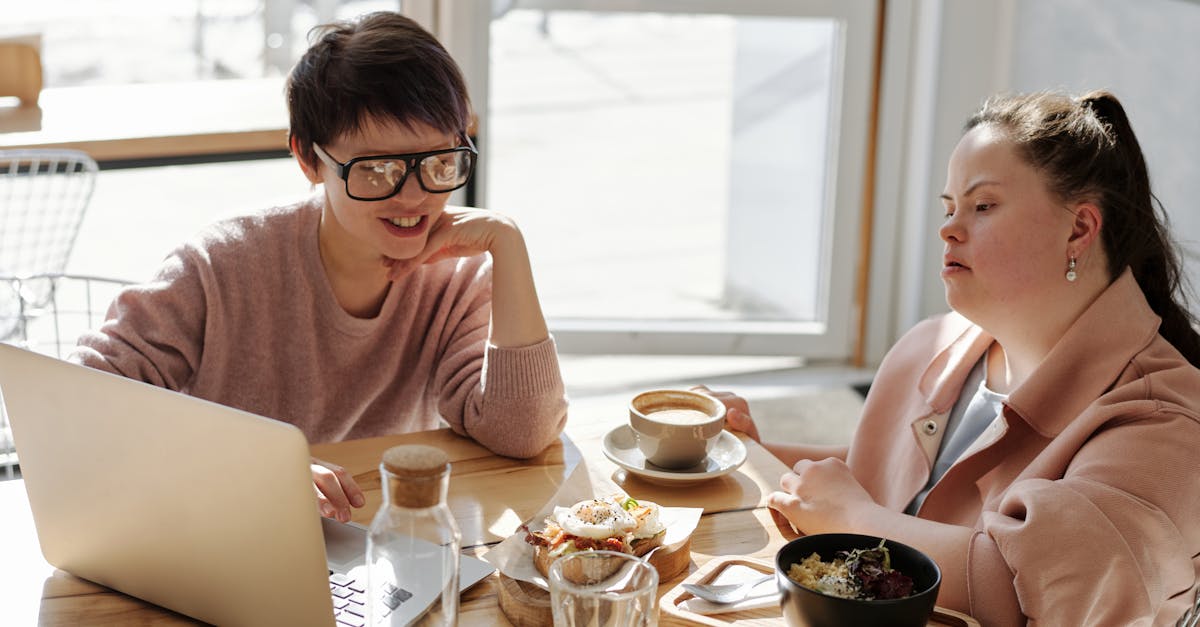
[(809, 608)]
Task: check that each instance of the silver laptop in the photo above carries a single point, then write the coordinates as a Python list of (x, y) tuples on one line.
[(187, 504)]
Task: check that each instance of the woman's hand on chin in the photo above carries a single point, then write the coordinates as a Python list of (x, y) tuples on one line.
[(458, 232)]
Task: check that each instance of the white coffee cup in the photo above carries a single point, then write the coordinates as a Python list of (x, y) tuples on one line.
[(676, 429)]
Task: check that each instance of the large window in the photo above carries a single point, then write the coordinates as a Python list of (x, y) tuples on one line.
[(691, 171), (688, 173)]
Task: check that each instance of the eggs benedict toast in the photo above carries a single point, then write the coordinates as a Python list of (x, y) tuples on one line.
[(617, 523)]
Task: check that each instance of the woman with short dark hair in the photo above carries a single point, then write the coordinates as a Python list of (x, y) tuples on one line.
[(372, 307)]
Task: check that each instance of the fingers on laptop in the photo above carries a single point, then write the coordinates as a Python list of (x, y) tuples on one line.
[(336, 490)]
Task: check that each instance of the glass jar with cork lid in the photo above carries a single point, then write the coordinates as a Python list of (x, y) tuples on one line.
[(413, 545)]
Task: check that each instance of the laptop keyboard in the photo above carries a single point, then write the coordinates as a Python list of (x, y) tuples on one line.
[(350, 599)]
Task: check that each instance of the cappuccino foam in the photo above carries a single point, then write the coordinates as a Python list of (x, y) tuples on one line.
[(680, 416)]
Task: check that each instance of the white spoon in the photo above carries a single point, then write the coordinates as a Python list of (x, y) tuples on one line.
[(728, 592)]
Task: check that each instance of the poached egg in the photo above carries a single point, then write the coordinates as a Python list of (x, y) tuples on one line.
[(597, 519)]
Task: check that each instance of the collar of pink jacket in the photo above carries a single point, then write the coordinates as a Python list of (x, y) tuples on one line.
[(1120, 321)]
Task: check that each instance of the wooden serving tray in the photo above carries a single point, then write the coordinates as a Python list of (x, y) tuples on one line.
[(764, 616), (527, 605)]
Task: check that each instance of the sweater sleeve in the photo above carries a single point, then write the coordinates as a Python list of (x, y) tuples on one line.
[(524, 407), (1108, 544), (153, 332), (510, 400)]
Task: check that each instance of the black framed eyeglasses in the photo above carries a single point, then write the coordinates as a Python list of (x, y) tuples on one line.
[(379, 177)]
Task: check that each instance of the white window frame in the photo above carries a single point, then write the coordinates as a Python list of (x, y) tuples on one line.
[(464, 28)]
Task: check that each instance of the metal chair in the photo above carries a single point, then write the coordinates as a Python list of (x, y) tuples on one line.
[(1191, 618), (43, 197)]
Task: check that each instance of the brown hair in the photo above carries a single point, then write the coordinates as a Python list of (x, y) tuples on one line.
[(1085, 149), (381, 65)]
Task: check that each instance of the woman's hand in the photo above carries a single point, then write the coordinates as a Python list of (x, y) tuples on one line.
[(517, 318), (458, 232), (336, 490), (737, 412), (823, 497)]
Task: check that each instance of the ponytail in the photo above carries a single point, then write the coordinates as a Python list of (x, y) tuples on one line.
[(1139, 237)]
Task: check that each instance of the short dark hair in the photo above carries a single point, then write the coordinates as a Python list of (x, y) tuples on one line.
[(380, 65), (1084, 148)]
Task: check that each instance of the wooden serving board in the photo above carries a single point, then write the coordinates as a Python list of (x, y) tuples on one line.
[(527, 605), (764, 616)]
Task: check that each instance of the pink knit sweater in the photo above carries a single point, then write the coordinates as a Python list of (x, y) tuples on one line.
[(243, 315)]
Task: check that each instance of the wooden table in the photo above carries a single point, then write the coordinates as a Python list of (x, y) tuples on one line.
[(489, 495), (155, 124)]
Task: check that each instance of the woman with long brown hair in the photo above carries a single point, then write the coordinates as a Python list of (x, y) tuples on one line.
[(1040, 442)]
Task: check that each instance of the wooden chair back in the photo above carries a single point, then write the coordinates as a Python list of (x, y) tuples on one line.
[(21, 71)]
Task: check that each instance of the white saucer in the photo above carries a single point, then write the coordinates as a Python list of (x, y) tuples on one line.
[(620, 446)]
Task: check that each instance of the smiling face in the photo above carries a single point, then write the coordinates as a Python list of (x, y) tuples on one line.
[(396, 227), (1007, 238)]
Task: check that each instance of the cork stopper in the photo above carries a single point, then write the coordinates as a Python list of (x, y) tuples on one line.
[(419, 475)]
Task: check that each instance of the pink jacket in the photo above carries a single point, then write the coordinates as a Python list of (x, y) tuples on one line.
[(1084, 495)]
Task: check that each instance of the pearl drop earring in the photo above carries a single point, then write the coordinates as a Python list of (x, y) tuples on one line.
[(1071, 276)]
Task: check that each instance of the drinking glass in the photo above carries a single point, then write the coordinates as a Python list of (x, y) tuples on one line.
[(590, 597)]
